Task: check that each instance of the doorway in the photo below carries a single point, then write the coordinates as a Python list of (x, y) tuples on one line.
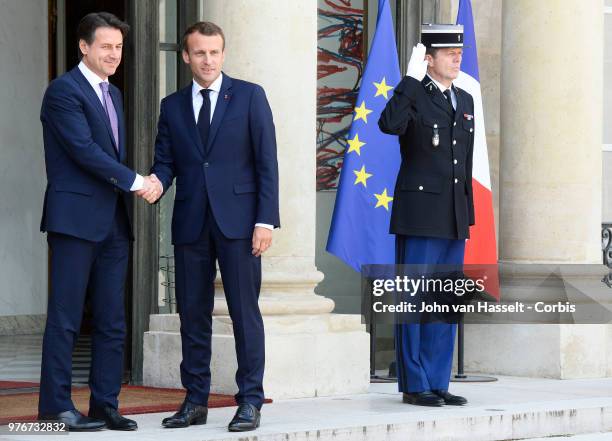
[(64, 17), (151, 68)]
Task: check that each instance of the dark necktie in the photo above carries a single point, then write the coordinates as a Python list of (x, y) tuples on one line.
[(110, 112), (447, 94), (204, 117)]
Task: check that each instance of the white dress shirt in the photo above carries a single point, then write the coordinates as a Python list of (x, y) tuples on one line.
[(198, 100), (94, 80), (443, 89)]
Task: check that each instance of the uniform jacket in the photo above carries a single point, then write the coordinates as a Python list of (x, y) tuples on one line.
[(433, 192)]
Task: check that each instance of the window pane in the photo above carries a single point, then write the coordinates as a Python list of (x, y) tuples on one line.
[(167, 21), (168, 75), (168, 79)]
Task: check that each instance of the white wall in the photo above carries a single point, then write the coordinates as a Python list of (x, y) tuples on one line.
[(23, 76), (607, 124)]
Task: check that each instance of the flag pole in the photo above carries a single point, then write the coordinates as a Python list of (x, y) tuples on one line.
[(460, 376), (465, 17)]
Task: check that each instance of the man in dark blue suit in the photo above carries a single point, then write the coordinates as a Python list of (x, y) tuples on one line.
[(217, 138), (86, 217)]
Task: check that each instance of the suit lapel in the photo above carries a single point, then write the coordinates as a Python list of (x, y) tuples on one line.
[(437, 97), (187, 105), (222, 102), (93, 99)]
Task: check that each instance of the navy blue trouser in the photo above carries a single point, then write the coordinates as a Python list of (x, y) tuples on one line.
[(241, 274), (424, 352), (79, 267)]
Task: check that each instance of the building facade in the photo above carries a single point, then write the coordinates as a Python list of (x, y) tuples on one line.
[(548, 109)]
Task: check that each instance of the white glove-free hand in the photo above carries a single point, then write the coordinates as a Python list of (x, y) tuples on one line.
[(417, 66)]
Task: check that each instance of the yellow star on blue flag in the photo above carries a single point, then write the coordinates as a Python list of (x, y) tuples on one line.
[(362, 112), (355, 144), (383, 199), (359, 232), (382, 88)]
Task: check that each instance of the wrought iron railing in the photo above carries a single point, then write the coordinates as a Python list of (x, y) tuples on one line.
[(167, 269)]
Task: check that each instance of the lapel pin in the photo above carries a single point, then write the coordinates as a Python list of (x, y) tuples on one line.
[(226, 97)]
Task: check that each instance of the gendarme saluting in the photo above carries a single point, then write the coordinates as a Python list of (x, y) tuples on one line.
[(433, 204)]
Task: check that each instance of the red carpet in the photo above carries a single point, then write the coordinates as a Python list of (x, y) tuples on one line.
[(23, 407), (16, 385)]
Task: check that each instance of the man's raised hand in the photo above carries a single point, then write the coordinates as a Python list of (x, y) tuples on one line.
[(417, 66)]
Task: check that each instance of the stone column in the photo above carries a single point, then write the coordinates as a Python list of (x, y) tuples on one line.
[(551, 126), (550, 185), (309, 351)]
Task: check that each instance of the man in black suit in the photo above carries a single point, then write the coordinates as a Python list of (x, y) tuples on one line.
[(217, 138), (433, 204)]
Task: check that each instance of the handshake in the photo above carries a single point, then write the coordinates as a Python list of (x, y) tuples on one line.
[(151, 190)]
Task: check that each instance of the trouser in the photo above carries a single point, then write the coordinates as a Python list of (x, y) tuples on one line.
[(424, 352), (241, 275)]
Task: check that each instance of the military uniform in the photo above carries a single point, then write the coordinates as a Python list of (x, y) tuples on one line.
[(433, 208), (433, 191)]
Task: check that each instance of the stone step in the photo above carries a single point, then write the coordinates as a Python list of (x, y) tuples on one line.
[(509, 409)]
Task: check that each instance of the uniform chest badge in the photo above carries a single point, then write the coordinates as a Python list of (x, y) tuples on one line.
[(435, 139), (468, 116)]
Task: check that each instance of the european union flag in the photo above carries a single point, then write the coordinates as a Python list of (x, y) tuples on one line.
[(359, 232)]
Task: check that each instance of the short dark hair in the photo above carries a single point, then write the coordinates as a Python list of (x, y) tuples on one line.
[(431, 51), (205, 28), (88, 25)]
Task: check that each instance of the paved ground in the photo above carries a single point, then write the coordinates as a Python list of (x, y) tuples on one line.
[(512, 408), (588, 437)]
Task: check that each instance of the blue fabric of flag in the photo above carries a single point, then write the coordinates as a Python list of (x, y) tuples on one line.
[(359, 232), (469, 63)]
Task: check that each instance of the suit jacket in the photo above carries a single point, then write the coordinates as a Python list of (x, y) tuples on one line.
[(235, 175), (433, 192), (85, 176)]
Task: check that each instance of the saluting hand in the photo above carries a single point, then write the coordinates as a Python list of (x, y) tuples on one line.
[(417, 66)]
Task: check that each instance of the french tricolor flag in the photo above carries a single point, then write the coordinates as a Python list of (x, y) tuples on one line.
[(481, 248)]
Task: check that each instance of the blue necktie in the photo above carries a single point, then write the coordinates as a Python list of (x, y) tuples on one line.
[(204, 117)]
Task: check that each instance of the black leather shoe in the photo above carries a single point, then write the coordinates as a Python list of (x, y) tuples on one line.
[(426, 398), (189, 414), (75, 421), (450, 399), (247, 418), (112, 418)]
